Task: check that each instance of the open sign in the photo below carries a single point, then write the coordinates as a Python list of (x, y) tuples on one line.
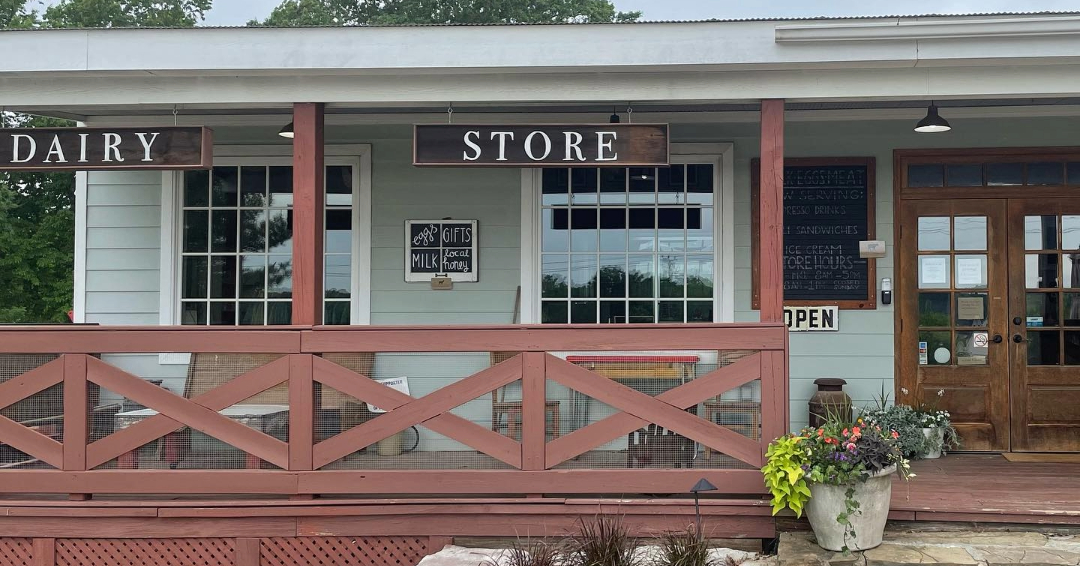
[(809, 319)]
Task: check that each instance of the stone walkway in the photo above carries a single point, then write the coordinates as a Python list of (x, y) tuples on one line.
[(957, 548)]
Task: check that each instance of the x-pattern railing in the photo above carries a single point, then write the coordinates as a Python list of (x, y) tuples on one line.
[(302, 368)]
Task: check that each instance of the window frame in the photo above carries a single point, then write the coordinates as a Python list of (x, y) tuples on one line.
[(720, 156), (357, 156)]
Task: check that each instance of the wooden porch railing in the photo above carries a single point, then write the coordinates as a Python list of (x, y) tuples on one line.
[(531, 462)]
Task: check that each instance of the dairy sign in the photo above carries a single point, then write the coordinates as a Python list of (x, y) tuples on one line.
[(543, 145), (94, 149)]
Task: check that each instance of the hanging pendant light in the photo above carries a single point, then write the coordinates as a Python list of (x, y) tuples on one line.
[(287, 131), (614, 119), (932, 123)]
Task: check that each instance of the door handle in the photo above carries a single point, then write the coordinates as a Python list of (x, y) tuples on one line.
[(997, 339), (1018, 321), (1018, 338)]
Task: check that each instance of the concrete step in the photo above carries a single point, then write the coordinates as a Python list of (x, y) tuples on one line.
[(951, 548)]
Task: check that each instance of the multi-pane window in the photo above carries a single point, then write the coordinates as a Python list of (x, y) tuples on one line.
[(237, 228), (628, 245)]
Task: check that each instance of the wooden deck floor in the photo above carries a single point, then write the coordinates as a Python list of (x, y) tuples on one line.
[(988, 488)]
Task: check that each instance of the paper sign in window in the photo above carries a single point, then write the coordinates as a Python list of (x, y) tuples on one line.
[(970, 308), (933, 271)]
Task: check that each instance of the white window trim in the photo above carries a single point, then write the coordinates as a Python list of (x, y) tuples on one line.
[(721, 155), (357, 155)]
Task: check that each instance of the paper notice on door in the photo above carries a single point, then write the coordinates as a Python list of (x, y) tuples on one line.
[(969, 272), (933, 271), (970, 308)]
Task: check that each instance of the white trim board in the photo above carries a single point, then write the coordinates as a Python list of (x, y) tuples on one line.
[(78, 305), (721, 155)]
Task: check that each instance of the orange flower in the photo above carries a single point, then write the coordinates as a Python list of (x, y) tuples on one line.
[(895, 434), (856, 431), (820, 432)]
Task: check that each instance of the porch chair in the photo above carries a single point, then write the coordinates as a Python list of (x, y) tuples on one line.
[(655, 447), (512, 409)]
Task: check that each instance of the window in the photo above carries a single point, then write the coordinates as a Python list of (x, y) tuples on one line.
[(236, 244), (628, 245)]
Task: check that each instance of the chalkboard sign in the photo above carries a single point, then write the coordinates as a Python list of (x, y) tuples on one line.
[(828, 210), (436, 248)]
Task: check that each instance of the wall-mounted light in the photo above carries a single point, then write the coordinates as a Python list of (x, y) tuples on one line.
[(614, 119), (932, 123), (287, 131)]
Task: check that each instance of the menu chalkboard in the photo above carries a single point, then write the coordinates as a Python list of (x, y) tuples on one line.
[(828, 210), (440, 248)]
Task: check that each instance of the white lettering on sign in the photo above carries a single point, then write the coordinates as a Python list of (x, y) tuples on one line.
[(604, 151), (810, 319), (471, 137), (573, 143), (16, 141), (529, 146), (502, 143)]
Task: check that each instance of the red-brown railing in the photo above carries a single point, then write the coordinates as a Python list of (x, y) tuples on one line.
[(531, 461)]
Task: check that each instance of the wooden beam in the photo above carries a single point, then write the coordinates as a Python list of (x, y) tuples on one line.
[(301, 412), (771, 211), (44, 552), (533, 409), (308, 196), (76, 412)]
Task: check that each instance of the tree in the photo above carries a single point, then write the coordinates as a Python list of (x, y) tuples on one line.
[(396, 12), (37, 218), (125, 13)]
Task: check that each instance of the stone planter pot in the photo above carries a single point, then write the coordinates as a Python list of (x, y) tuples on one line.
[(936, 437), (827, 501)]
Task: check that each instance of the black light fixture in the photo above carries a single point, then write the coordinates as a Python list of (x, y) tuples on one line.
[(932, 123), (701, 485), (287, 131), (614, 119)]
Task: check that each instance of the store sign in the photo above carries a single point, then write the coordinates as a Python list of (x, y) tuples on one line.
[(440, 248), (544, 145), (809, 319), (95, 149)]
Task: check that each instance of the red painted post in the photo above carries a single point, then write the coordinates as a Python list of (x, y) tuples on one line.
[(44, 552), (76, 416), (247, 552), (533, 413), (301, 412), (307, 273), (770, 209)]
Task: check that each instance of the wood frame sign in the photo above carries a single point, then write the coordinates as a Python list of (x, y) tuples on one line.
[(105, 149), (540, 145), (828, 209), (441, 248)]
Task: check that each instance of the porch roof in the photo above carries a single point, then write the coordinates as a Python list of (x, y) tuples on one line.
[(80, 72)]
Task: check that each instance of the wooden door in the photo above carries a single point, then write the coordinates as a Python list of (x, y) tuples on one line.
[(953, 302), (1044, 326)]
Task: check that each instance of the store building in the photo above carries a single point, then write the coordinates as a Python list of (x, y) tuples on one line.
[(746, 161)]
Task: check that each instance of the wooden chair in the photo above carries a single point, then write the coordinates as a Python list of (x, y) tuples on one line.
[(512, 409), (655, 447)]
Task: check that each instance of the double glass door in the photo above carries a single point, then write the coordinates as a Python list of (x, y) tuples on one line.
[(989, 329)]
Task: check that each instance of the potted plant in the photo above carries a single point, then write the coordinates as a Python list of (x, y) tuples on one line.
[(936, 427), (840, 475)]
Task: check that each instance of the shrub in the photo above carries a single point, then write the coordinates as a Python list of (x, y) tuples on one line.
[(602, 541), (684, 548)]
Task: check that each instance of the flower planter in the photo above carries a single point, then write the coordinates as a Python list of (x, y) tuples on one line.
[(935, 437), (828, 501)]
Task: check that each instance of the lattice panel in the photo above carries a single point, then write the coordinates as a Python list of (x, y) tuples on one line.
[(145, 552), (16, 552), (334, 551)]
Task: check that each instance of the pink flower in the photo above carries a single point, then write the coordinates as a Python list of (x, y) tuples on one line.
[(895, 434)]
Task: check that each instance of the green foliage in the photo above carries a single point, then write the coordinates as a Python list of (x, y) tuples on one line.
[(785, 475), (530, 553), (684, 548), (602, 541), (14, 14), (397, 12), (126, 13)]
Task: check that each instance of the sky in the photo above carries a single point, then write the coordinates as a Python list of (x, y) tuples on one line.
[(239, 12)]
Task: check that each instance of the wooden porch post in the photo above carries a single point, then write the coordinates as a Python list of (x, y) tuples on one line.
[(770, 209), (307, 268)]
